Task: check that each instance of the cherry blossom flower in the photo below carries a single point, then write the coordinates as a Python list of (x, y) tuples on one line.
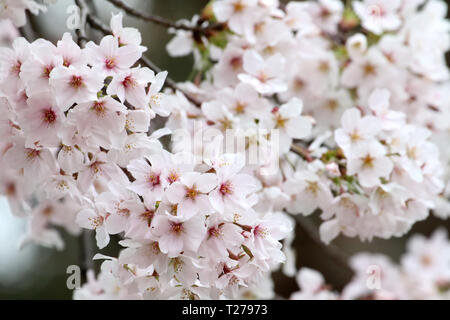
[(82, 146), (263, 75), (42, 121), (108, 58), (35, 72), (370, 163), (233, 188), (356, 130), (90, 219), (290, 124), (189, 194), (11, 65), (75, 85), (130, 85), (378, 15), (236, 13), (175, 235)]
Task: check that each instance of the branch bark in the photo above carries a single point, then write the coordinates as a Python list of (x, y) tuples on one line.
[(163, 21), (302, 152)]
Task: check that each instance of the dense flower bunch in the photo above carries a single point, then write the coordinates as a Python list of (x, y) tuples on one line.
[(309, 107), (377, 98), (423, 273), (76, 153)]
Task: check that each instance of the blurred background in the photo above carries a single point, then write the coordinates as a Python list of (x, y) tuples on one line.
[(39, 273)]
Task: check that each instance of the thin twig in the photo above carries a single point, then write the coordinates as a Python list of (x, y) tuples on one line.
[(163, 21), (302, 152), (331, 250), (98, 24)]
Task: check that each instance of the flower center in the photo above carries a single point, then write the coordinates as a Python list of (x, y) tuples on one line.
[(173, 176), (46, 71), (154, 179), (48, 116), (236, 62), (412, 153), (263, 77), (238, 7), (332, 104), (128, 82), (260, 231), (110, 63), (226, 123), (15, 69), (324, 66), (377, 11), (368, 161), (48, 210), (214, 232), (299, 84), (76, 82), (369, 69), (226, 188), (240, 107), (191, 193), (99, 108), (355, 136), (312, 187), (177, 228), (96, 222), (280, 122), (148, 216), (66, 62), (32, 153)]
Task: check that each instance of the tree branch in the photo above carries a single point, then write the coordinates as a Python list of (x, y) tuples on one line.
[(302, 152), (98, 24), (163, 21)]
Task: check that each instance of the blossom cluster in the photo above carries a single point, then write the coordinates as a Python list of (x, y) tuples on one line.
[(77, 152), (374, 104), (309, 107), (423, 273)]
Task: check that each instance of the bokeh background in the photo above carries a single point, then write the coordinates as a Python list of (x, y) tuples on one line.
[(35, 272)]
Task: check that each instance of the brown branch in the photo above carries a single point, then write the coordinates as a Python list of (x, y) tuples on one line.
[(302, 152), (98, 24), (163, 21)]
